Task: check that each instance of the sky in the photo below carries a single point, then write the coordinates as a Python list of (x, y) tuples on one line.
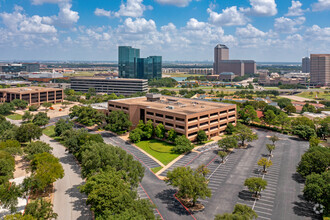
[(178, 30)]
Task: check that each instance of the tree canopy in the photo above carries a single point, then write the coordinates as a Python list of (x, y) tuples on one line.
[(40, 209), (118, 122), (228, 142), (201, 136), (40, 119), (36, 147), (255, 184), (28, 132), (245, 134), (87, 115), (182, 145), (61, 126), (20, 104)]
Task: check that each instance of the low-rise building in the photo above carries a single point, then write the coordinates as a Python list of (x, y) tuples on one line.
[(185, 116), (33, 95), (226, 76), (109, 85)]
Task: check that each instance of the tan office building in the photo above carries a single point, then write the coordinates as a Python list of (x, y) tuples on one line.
[(33, 95), (320, 69), (185, 116)]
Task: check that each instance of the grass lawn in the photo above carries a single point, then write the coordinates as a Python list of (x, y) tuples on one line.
[(312, 95), (204, 142), (49, 131), (14, 117), (156, 169), (271, 88), (158, 149)]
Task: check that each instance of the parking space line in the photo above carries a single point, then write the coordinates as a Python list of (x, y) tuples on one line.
[(266, 213)]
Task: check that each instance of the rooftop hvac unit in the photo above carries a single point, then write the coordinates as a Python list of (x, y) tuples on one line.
[(170, 107)]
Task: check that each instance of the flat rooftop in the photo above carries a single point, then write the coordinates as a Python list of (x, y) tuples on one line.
[(31, 89), (107, 78), (175, 104)]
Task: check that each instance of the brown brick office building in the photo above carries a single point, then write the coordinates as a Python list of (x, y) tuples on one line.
[(185, 116), (33, 95)]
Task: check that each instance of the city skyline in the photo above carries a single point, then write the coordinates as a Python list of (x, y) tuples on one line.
[(184, 30)]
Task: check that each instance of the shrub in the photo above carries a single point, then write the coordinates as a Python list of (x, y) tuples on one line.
[(33, 108)]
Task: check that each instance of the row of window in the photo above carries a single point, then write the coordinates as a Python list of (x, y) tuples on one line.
[(206, 130), (166, 116), (211, 115), (166, 123)]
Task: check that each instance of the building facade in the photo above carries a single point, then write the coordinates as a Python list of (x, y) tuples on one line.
[(20, 67), (109, 85), (320, 70), (226, 76), (33, 95), (130, 65), (185, 116), (306, 65)]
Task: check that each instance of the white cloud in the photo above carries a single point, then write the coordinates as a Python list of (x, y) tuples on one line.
[(102, 12), (178, 3), (40, 2), (229, 17), (287, 25), (132, 8), (66, 17), (139, 25), (249, 32), (194, 24), (317, 33), (295, 9), (321, 5), (261, 8)]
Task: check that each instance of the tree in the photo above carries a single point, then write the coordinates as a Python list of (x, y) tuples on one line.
[(6, 108), (46, 169), (160, 131), (47, 105), (118, 122), (314, 142), (202, 169), (136, 135), (148, 130), (61, 126), (283, 102), (270, 148), (255, 184), (28, 132), (27, 116), (269, 117), (302, 121), (230, 129), (40, 209), (87, 115), (265, 163), (282, 119), (324, 130), (19, 216), (7, 166), (201, 136), (171, 135), (250, 114), (228, 142), (274, 139), (315, 160), (190, 183), (40, 119), (20, 104), (244, 210), (308, 108), (290, 109), (316, 189), (245, 134), (11, 146), (222, 154), (304, 131), (36, 147), (182, 145), (9, 194)]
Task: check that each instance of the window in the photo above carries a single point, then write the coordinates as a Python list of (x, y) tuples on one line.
[(169, 117), (159, 115), (205, 123), (231, 110), (223, 125), (179, 119), (193, 126), (111, 105), (149, 119), (214, 114), (192, 134), (180, 127), (216, 120), (169, 124), (215, 127), (232, 116), (150, 113), (125, 108), (223, 112), (159, 122), (204, 116), (192, 119), (224, 118), (117, 106)]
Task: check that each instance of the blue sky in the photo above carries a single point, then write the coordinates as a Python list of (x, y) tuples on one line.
[(185, 30)]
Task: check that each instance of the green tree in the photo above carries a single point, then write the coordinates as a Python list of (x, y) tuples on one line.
[(270, 148), (27, 116), (315, 160), (47, 105), (228, 142), (308, 108), (36, 147), (283, 102), (245, 134), (41, 119), (28, 132), (250, 114), (136, 135), (9, 194), (316, 189), (190, 183), (244, 210), (118, 122), (265, 163), (255, 185), (148, 130), (222, 154), (201, 136), (274, 139), (46, 169), (269, 117), (182, 145), (202, 169), (282, 119), (6, 108), (290, 109), (20, 104), (314, 142), (40, 209), (11, 146), (304, 131), (19, 216), (171, 135), (61, 126), (303, 121), (230, 129), (323, 130), (160, 131), (88, 116)]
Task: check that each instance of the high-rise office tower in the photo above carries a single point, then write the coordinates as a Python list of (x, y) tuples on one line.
[(320, 69), (127, 61), (221, 52), (132, 66), (306, 67)]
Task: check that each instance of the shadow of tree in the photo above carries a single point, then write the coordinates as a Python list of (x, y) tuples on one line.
[(298, 178), (173, 205), (246, 195), (78, 201)]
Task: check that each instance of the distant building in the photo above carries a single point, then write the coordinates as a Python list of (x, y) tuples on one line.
[(226, 76), (306, 65), (45, 77), (109, 85), (201, 71), (130, 64), (275, 79), (320, 70), (222, 63), (13, 83), (20, 67), (33, 95)]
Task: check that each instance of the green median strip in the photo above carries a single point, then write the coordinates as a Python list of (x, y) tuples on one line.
[(156, 169), (14, 117)]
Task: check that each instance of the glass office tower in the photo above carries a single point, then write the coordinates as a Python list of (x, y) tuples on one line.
[(127, 61), (132, 66)]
